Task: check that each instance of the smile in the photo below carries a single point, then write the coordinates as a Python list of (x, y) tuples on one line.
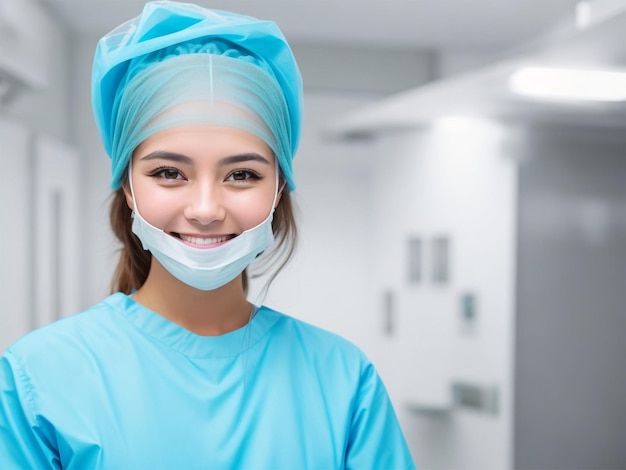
[(204, 241)]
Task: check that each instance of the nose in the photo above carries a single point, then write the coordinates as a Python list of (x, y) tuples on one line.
[(205, 205)]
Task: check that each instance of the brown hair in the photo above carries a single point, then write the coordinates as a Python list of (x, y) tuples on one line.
[(134, 262)]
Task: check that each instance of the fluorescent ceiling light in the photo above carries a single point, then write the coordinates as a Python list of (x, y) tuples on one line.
[(555, 83)]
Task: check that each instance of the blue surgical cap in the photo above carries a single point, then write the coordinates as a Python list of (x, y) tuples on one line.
[(179, 55)]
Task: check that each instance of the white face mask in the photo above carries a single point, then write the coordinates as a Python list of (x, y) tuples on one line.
[(204, 269)]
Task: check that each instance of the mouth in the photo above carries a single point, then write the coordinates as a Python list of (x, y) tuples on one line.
[(203, 241)]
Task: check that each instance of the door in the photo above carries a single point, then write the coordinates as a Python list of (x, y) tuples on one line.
[(16, 238), (56, 179)]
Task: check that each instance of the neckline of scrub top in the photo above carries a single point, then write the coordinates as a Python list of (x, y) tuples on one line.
[(188, 343)]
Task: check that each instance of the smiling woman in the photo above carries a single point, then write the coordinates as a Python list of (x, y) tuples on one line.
[(199, 111), (210, 187)]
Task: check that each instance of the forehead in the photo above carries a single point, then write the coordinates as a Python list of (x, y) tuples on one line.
[(204, 141)]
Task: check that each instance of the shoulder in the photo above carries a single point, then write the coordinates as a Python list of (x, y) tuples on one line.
[(61, 340), (58, 359), (308, 331), (314, 341)]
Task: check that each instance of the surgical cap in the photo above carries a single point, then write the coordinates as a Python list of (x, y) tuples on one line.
[(178, 64)]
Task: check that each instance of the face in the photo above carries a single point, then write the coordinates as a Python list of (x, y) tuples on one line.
[(203, 184)]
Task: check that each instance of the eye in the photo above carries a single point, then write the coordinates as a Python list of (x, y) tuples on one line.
[(167, 173), (243, 175)]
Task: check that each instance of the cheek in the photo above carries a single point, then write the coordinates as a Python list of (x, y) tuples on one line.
[(157, 213), (252, 209), (156, 207)]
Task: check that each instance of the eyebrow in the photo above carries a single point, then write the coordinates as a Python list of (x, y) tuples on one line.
[(171, 156), (179, 158), (244, 157)]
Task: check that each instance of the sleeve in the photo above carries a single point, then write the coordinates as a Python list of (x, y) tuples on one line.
[(22, 444), (376, 440)]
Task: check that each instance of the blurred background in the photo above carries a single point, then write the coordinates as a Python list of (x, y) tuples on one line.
[(462, 203)]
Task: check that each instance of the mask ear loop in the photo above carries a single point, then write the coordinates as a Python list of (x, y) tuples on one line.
[(277, 190), (281, 189), (132, 191)]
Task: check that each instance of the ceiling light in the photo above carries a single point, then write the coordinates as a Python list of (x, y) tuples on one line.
[(583, 14), (555, 83)]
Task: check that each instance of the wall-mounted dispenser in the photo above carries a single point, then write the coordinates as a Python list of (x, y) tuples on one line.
[(461, 396), (476, 397)]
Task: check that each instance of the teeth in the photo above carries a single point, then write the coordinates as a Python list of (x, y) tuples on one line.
[(204, 241)]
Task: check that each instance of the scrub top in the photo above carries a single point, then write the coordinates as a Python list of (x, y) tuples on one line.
[(121, 387)]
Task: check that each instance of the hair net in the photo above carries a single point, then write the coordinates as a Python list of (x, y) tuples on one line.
[(180, 64)]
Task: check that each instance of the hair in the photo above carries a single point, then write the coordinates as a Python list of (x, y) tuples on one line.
[(134, 262)]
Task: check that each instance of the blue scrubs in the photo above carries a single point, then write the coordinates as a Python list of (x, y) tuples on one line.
[(120, 387)]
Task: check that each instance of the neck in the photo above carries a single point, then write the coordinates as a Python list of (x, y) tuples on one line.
[(206, 313)]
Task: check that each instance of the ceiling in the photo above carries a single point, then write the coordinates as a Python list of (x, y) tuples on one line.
[(484, 91), (514, 31), (491, 26)]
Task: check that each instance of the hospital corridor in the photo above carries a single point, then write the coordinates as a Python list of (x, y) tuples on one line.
[(460, 199)]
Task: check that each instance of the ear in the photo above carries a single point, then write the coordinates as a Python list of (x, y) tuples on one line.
[(128, 195)]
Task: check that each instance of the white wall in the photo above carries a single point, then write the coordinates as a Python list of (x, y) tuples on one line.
[(458, 180), (38, 46), (41, 47), (350, 70)]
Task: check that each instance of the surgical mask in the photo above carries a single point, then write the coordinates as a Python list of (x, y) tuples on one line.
[(204, 269)]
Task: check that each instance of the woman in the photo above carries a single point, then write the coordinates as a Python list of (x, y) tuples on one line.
[(199, 111)]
